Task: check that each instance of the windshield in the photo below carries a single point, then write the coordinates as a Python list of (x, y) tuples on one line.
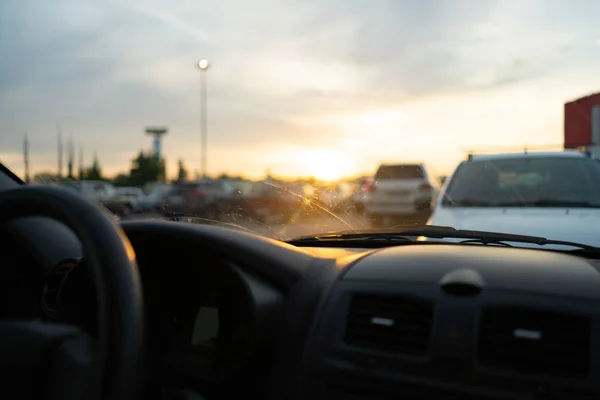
[(294, 118), (526, 182), (399, 172)]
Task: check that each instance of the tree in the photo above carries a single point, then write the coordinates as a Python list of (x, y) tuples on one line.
[(146, 168), (93, 173), (227, 177), (121, 180), (183, 173)]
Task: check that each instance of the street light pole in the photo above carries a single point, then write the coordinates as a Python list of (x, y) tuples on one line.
[(203, 65)]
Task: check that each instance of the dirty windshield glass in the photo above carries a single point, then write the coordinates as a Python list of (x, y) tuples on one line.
[(292, 118)]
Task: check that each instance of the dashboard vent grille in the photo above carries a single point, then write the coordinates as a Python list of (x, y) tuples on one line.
[(390, 323), (534, 341)]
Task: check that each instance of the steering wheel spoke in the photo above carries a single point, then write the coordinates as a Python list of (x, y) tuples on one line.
[(74, 372)]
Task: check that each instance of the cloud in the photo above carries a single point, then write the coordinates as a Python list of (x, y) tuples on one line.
[(281, 71), (173, 21)]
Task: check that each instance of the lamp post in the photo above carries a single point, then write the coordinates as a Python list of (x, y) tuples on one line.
[(203, 65)]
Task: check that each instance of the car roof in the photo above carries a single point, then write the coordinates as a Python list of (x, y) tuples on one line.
[(540, 154), (402, 165)]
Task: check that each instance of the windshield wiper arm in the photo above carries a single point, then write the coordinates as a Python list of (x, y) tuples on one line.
[(437, 232)]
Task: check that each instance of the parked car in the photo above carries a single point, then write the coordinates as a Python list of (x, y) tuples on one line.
[(173, 199), (337, 197), (135, 195), (103, 193), (399, 190), (154, 194), (213, 200), (550, 194), (360, 197), (273, 203)]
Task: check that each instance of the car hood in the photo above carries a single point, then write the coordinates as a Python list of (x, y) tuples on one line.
[(581, 225)]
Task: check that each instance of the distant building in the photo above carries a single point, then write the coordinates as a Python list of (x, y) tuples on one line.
[(582, 122)]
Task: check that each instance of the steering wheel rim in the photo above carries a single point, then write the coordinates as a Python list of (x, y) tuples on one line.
[(111, 261)]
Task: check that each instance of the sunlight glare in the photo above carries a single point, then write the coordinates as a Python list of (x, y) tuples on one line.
[(326, 164)]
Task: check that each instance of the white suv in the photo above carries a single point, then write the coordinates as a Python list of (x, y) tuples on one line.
[(549, 194), (398, 190)]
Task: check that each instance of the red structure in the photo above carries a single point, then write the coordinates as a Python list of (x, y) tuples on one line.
[(578, 121)]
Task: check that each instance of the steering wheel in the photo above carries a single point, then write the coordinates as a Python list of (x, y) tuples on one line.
[(59, 361)]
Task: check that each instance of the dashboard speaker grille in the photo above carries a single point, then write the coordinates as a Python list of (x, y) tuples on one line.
[(390, 323), (534, 341)]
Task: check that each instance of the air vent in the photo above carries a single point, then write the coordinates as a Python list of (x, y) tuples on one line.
[(534, 341), (390, 323), (53, 283)]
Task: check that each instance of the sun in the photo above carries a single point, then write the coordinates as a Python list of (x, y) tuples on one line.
[(326, 164)]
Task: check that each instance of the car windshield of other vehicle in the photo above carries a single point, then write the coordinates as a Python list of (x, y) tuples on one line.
[(526, 182), (399, 172)]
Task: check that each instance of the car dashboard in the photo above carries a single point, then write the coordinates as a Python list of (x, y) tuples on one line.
[(444, 321), (229, 313)]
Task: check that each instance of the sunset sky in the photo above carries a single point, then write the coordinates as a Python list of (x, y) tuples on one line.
[(327, 88)]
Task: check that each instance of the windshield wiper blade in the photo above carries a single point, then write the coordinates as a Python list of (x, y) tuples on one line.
[(437, 232), (353, 236), (467, 203)]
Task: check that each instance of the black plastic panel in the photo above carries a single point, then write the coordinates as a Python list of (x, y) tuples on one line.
[(451, 363), (513, 269)]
